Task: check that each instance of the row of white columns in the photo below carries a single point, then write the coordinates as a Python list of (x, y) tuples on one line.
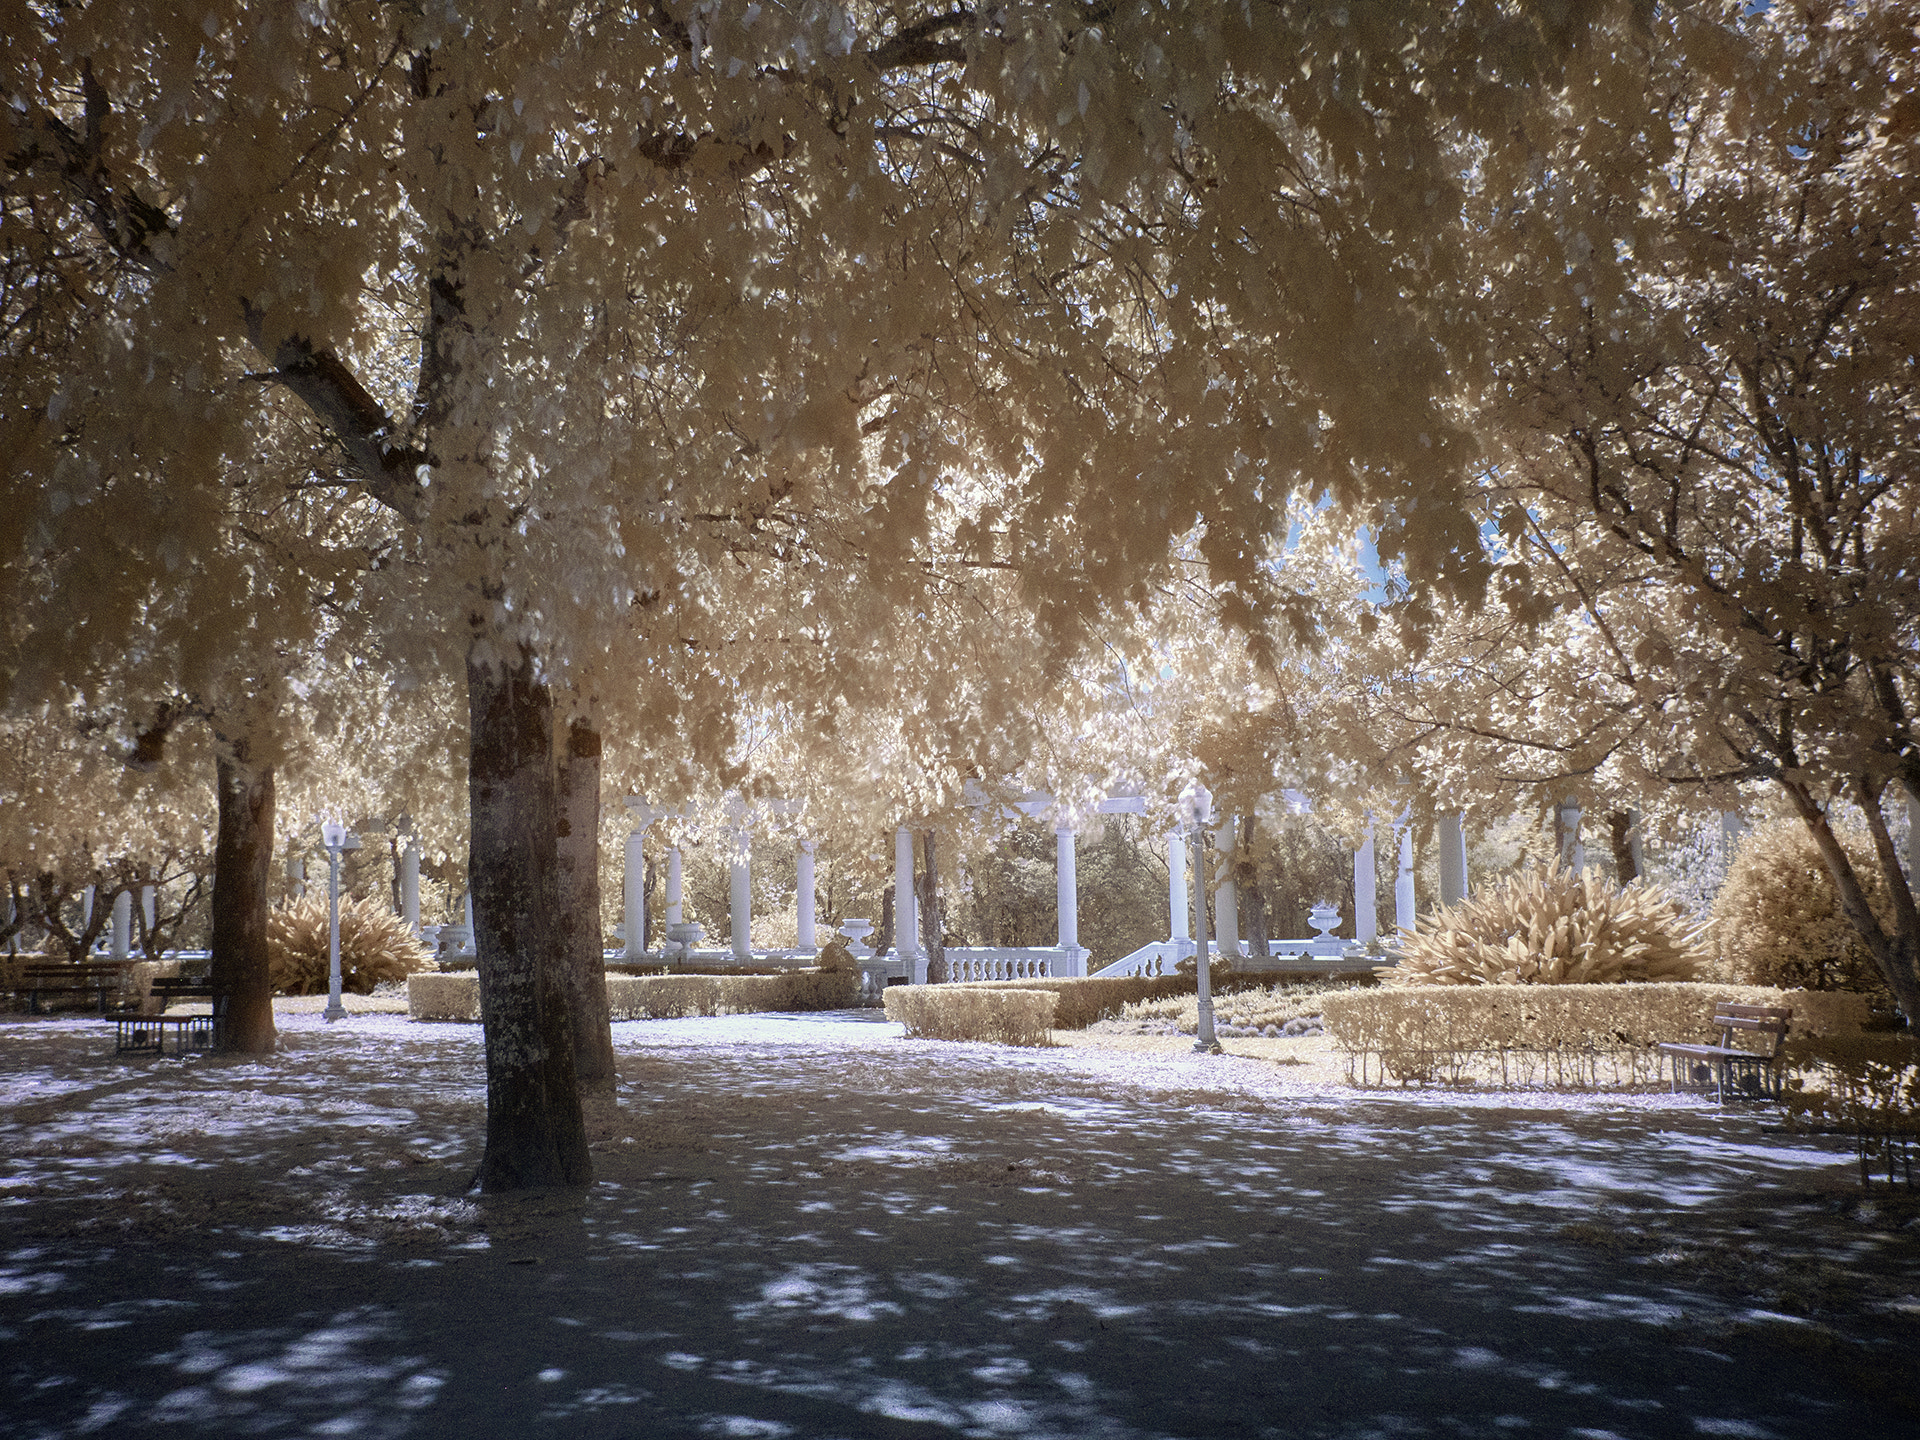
[(1451, 837), (739, 887), (1366, 910), (906, 914)]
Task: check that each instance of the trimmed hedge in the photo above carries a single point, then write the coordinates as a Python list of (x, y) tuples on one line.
[(1083, 1001), (1091, 998), (1000, 1015), (454, 996), (659, 997), (1436, 1032)]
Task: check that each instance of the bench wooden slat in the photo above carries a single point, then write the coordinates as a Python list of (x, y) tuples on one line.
[(71, 977), (1728, 1016)]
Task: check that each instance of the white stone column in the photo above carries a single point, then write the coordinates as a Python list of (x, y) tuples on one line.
[(803, 900), (149, 901), (1226, 899), (1177, 926), (86, 907), (906, 914), (1573, 854), (1366, 908), (1731, 828), (1066, 898), (675, 864), (1635, 846), (410, 887), (740, 893), (634, 893), (1405, 909), (1453, 858), (123, 925)]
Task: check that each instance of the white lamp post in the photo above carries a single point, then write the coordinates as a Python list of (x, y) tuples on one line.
[(1198, 804), (336, 837)]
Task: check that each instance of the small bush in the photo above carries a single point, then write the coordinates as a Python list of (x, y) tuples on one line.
[(1778, 921), (837, 955), (966, 1012), (375, 945), (1552, 927), (453, 996)]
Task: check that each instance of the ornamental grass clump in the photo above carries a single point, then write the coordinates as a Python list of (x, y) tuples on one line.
[(1552, 927), (375, 946)]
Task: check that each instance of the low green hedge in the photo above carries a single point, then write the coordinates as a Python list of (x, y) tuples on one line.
[(1427, 1032), (996, 1015), (1090, 998), (659, 997)]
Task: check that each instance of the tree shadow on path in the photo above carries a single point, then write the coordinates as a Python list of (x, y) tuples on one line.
[(874, 1237)]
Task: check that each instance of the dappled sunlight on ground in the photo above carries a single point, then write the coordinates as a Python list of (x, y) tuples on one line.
[(808, 1226)]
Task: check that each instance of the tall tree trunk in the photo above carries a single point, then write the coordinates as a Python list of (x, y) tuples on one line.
[(1620, 837), (51, 899), (883, 935), (650, 870), (536, 1136), (242, 856), (1253, 899), (585, 971), (932, 929)]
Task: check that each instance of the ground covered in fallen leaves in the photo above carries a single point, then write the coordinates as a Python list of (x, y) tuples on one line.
[(809, 1226)]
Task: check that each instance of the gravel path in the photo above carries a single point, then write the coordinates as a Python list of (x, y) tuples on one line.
[(809, 1226)]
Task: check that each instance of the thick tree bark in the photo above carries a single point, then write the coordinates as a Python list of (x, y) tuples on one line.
[(242, 857), (536, 1136), (584, 973)]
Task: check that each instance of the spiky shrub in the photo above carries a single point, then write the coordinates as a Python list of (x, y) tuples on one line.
[(375, 945), (1552, 927), (1778, 921)]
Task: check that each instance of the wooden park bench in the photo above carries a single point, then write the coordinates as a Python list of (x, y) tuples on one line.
[(1746, 1072), (169, 988), (102, 979), (147, 1034)]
